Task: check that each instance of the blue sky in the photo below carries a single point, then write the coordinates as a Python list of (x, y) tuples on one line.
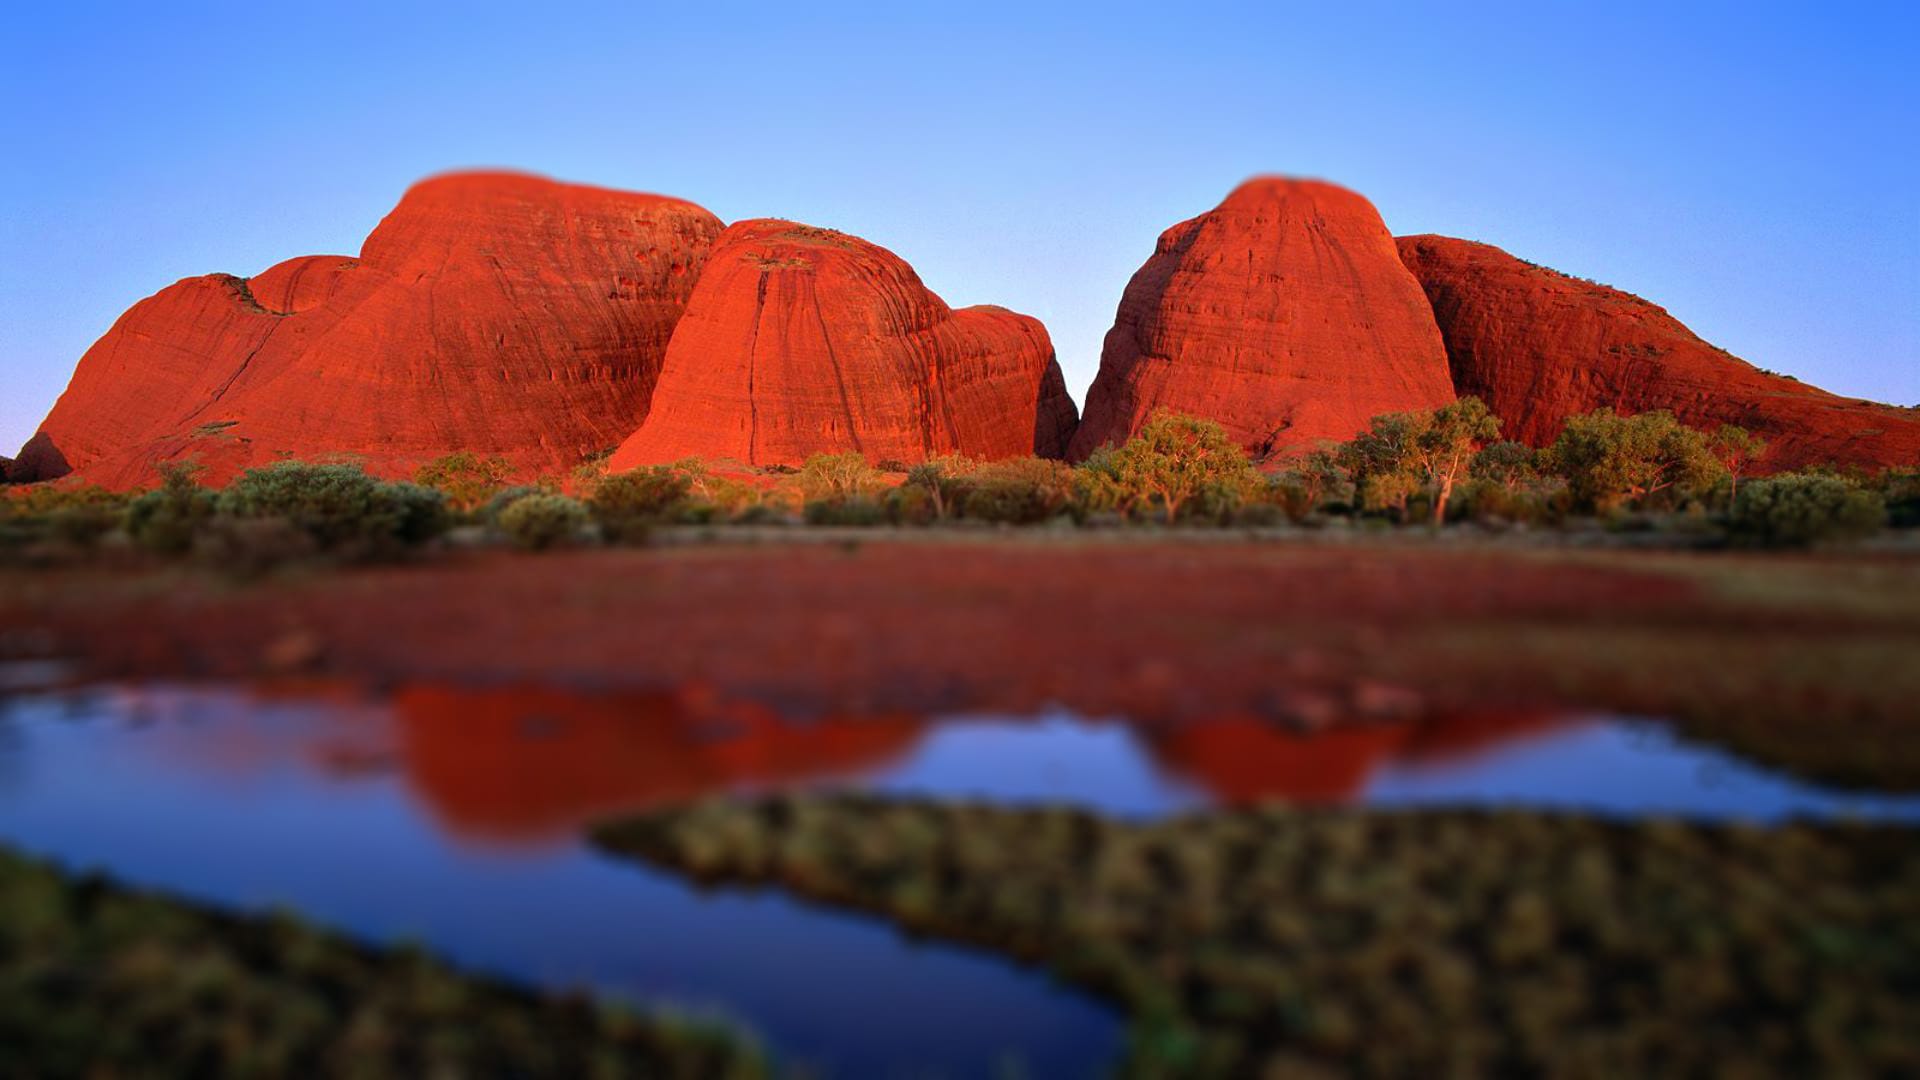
[(1755, 169)]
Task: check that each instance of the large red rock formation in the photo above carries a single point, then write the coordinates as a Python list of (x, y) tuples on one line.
[(1538, 346), (800, 341), (493, 313), (1283, 313)]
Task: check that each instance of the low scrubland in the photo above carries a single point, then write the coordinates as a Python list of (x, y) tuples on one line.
[(100, 980), (1279, 942), (1641, 476)]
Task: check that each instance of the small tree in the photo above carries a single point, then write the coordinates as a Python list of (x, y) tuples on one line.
[(167, 520), (1097, 486), (1455, 433), (1318, 475), (1508, 464), (1176, 459), (1737, 449), (1608, 459), (1386, 460), (467, 480), (944, 479)]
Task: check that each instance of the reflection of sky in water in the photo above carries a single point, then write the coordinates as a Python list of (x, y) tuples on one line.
[(263, 827), (1627, 768), (1056, 759), (459, 829)]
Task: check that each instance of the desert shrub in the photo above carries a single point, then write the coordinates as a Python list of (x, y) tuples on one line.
[(910, 504), (43, 500), (853, 510), (838, 476), (712, 497), (1802, 509), (165, 521), (628, 505), (1900, 489), (760, 513), (539, 522), (59, 519), (1280, 498), (490, 513), (593, 467), (891, 465), (339, 506), (466, 479), (944, 480), (82, 526), (1017, 491)]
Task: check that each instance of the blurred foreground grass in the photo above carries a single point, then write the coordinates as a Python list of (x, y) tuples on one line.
[(101, 981), (1281, 942)]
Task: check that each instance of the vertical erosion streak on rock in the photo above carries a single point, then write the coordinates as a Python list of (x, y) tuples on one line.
[(1284, 314), (839, 377), (753, 365), (867, 361), (472, 320)]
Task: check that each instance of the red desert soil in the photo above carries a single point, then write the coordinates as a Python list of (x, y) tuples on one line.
[(1284, 313), (1538, 346), (1806, 661), (496, 313), (801, 341)]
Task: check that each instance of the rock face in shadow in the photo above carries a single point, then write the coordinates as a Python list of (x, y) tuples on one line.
[(1538, 346), (1284, 314), (800, 340), (493, 313)]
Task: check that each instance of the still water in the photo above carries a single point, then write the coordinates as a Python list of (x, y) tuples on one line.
[(452, 818)]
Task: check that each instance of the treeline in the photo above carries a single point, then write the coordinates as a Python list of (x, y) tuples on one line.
[(1440, 468)]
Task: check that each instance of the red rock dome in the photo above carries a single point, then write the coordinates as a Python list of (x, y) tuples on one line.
[(1284, 314), (494, 313), (1538, 346), (799, 341)]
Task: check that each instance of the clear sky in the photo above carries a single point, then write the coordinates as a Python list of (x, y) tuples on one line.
[(1753, 168)]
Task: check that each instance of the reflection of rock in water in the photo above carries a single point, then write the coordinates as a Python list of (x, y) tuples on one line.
[(1245, 760), (524, 764)]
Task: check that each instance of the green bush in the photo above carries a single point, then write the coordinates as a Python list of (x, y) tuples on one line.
[(340, 507), (59, 518), (838, 476), (1803, 509), (1018, 491), (466, 479), (628, 505), (539, 522), (167, 520), (82, 526), (910, 504), (490, 513), (1901, 490)]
